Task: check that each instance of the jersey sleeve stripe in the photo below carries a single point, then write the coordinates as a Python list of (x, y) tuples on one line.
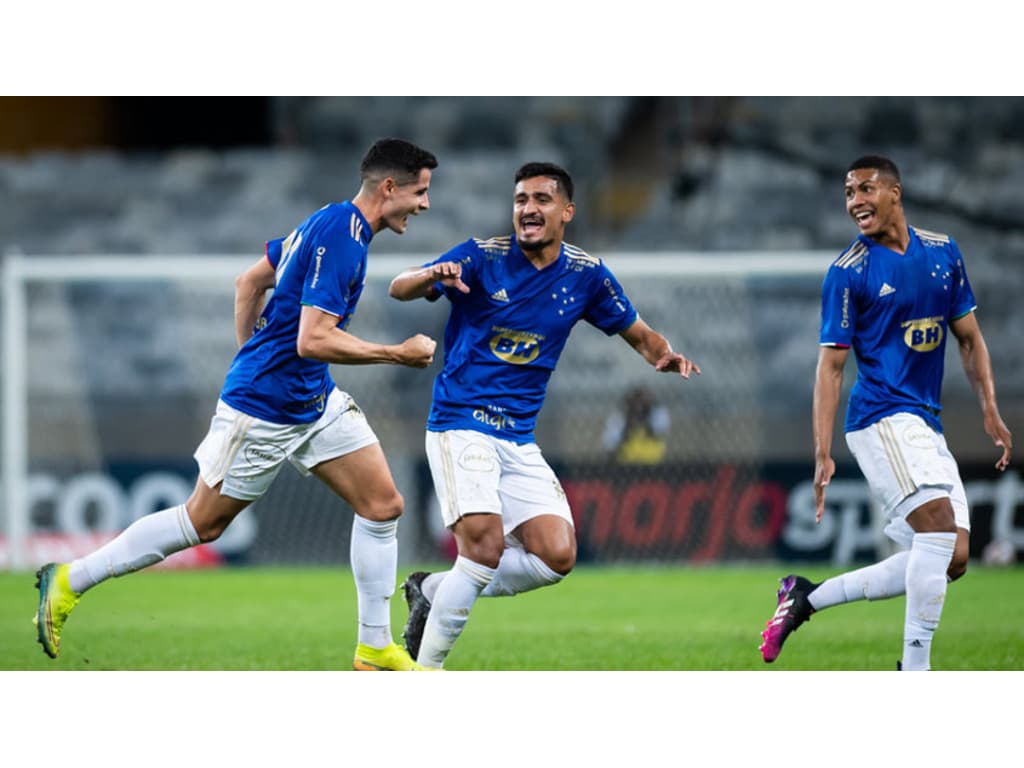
[(322, 309), (852, 256), (935, 237)]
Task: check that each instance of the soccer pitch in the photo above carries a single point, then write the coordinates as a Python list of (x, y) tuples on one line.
[(599, 618)]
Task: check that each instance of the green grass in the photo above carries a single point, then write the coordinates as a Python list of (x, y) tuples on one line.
[(657, 618)]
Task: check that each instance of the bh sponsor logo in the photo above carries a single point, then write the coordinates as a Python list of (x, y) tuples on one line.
[(923, 335), (516, 347)]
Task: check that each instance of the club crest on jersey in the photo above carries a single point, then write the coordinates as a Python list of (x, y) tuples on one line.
[(923, 335), (516, 347)]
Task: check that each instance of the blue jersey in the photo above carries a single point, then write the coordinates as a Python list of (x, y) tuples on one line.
[(504, 337), (894, 310), (321, 264)]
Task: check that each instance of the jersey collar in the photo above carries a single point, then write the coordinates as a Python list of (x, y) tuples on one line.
[(525, 262)]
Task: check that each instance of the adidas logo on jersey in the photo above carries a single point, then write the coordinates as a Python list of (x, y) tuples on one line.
[(500, 295), (886, 290)]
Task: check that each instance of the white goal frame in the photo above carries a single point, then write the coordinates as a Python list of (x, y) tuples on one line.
[(20, 271)]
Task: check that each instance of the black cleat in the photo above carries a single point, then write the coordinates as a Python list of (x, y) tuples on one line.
[(419, 609), (793, 610)]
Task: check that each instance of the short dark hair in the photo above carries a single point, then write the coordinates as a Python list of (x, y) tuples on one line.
[(883, 165), (556, 172), (398, 158)]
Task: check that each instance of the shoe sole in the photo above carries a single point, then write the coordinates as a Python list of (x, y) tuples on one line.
[(407, 588), (42, 620), (364, 666)]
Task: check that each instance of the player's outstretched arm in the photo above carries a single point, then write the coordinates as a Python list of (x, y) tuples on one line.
[(655, 349), (250, 290), (321, 339), (828, 383), (419, 282), (978, 367)]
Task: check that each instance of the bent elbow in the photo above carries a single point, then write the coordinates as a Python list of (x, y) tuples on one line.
[(307, 347), (397, 290)]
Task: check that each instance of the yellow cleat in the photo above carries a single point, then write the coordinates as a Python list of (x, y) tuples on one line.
[(393, 658), (56, 599)]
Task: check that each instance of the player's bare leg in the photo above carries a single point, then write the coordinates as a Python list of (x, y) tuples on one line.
[(545, 553), (145, 542), (362, 478), (481, 541)]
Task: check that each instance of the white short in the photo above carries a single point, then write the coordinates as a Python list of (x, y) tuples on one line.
[(906, 464), (246, 453), (474, 472)]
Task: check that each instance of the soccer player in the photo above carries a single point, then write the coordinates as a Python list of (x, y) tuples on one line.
[(279, 402), (894, 295), (514, 300)]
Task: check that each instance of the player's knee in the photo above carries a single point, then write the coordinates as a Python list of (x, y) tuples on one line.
[(557, 549), (957, 568), (485, 553), (561, 559), (382, 509), (485, 550), (210, 530), (961, 552), (207, 523)]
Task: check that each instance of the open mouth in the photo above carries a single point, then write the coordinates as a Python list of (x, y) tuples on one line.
[(531, 226), (864, 218)]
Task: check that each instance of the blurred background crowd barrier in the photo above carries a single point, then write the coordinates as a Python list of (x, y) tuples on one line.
[(123, 221)]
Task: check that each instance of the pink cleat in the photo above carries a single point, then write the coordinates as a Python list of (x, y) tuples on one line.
[(793, 609)]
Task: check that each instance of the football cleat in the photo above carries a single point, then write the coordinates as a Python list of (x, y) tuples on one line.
[(56, 599), (392, 658), (793, 609), (419, 609)]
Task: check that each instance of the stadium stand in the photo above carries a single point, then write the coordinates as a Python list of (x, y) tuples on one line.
[(654, 174)]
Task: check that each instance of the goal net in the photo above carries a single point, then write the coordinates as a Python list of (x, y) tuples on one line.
[(112, 368)]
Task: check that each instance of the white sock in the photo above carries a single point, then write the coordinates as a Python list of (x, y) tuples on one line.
[(146, 541), (449, 610), (430, 584), (930, 555), (519, 571), (373, 554), (874, 582)]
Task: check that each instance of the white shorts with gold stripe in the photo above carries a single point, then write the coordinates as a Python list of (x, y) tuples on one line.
[(907, 464), (477, 473), (246, 453)]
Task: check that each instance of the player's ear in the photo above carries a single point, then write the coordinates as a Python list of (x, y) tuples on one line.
[(568, 212), (388, 186)]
